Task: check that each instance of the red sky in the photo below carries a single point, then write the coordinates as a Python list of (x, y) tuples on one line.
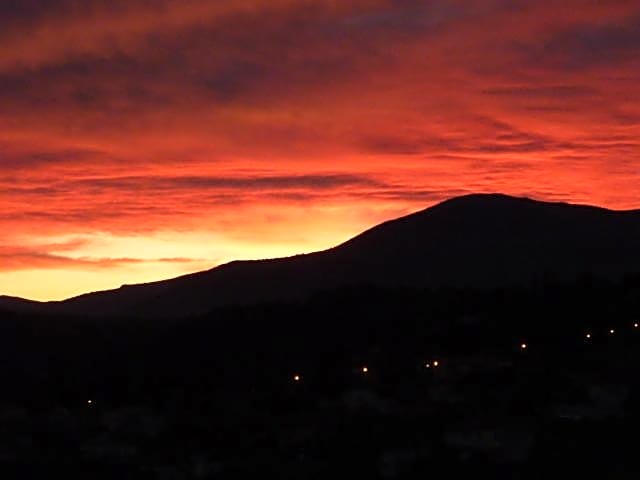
[(143, 139)]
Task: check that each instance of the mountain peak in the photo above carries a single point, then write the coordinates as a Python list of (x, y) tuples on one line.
[(493, 201), (486, 197)]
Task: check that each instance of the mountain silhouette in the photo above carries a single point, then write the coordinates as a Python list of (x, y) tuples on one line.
[(475, 241)]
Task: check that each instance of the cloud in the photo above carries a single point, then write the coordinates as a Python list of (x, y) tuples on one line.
[(546, 91), (119, 203), (587, 46), (153, 186), (155, 183), (16, 258)]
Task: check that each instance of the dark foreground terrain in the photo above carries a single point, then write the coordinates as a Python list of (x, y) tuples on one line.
[(448, 388)]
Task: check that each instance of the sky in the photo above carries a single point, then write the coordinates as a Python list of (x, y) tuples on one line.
[(141, 140)]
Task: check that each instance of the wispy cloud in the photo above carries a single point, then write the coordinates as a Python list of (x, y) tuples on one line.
[(15, 258)]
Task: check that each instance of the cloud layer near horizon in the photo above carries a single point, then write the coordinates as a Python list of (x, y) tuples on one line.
[(164, 137)]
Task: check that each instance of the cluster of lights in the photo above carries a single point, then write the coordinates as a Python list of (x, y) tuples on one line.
[(429, 365), (436, 363), (611, 331)]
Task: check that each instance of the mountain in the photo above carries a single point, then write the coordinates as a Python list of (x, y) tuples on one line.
[(16, 304), (478, 241)]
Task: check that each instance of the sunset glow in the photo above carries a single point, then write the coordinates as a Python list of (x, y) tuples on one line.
[(144, 140)]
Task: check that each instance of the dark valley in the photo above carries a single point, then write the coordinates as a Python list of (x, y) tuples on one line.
[(488, 335)]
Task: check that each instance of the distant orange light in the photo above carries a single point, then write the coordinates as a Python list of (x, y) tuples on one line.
[(523, 346), (365, 369), (436, 363), (296, 378)]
